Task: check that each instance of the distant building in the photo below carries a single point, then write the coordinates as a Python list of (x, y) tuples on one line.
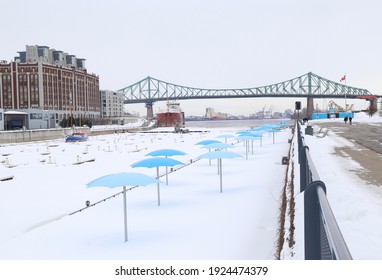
[(210, 113), (288, 113), (44, 86), (111, 104)]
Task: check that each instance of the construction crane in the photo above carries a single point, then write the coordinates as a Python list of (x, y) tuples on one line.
[(333, 104), (339, 108)]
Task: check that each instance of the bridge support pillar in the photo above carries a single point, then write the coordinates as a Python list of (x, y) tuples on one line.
[(150, 113), (309, 107), (374, 104)]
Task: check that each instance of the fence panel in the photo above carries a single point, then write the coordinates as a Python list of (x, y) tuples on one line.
[(323, 238)]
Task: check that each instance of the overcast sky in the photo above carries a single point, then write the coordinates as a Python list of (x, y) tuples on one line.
[(206, 43)]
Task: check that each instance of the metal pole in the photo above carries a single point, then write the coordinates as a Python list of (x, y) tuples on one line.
[(246, 149), (220, 165), (158, 186), (125, 211), (346, 104), (166, 174), (303, 168)]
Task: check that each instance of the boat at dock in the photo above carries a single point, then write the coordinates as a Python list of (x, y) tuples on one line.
[(76, 137), (171, 117)]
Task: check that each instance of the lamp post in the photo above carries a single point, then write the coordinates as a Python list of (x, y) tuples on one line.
[(298, 108)]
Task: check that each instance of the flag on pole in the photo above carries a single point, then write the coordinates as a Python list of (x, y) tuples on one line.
[(343, 78)]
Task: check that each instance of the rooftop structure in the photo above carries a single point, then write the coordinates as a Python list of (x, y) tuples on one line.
[(47, 55)]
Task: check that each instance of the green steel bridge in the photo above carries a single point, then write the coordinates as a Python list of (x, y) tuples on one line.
[(310, 85)]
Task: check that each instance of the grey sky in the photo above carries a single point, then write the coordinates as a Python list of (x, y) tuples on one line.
[(206, 43)]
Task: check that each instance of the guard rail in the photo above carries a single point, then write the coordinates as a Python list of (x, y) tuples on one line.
[(323, 238)]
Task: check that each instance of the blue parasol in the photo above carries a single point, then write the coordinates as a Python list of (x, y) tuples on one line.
[(123, 180), (219, 155), (156, 162), (166, 153)]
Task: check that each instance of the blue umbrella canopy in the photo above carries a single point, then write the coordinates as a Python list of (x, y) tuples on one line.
[(244, 132), (258, 132), (273, 130), (122, 179), (247, 137), (217, 146), (225, 136), (259, 128), (206, 142), (156, 162), (282, 125), (271, 127), (166, 152), (262, 127), (220, 154)]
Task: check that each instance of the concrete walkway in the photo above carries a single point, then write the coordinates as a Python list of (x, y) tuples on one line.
[(367, 150)]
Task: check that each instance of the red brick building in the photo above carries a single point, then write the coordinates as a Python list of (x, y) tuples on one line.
[(48, 86)]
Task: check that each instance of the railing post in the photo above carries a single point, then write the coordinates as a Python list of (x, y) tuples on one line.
[(312, 221), (299, 140), (304, 168)]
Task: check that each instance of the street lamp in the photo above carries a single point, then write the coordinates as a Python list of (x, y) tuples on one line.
[(298, 108)]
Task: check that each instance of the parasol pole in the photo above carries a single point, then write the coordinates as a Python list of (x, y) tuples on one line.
[(125, 211), (166, 174), (220, 166), (158, 186)]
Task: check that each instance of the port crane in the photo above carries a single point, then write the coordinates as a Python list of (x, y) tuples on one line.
[(339, 108)]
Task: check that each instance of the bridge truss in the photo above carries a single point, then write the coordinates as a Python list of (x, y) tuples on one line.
[(309, 85)]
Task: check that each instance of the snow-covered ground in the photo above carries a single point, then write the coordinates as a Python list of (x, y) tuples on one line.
[(194, 218)]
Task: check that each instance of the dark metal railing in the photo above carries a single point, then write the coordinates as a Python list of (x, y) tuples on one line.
[(323, 238)]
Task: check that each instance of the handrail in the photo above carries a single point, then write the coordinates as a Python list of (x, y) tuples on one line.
[(340, 251), (323, 238), (312, 168)]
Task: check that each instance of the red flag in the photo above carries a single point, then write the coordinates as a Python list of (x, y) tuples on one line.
[(343, 78)]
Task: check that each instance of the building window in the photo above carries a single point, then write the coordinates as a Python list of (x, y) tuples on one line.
[(36, 116)]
